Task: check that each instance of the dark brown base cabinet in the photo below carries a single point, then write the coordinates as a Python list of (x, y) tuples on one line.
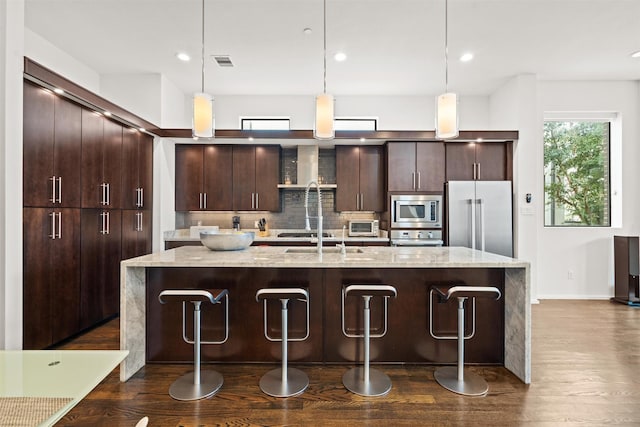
[(100, 265), (136, 233), (51, 293), (627, 271)]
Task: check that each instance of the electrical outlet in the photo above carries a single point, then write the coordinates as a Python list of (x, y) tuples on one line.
[(255, 224), (570, 274)]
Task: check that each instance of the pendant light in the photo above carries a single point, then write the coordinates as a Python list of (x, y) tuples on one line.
[(323, 128), (203, 103), (447, 103)]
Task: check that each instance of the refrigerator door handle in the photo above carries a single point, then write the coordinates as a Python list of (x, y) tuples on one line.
[(472, 202), (482, 228)]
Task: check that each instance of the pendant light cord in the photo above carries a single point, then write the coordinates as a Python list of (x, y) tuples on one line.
[(446, 46), (324, 35), (202, 46)]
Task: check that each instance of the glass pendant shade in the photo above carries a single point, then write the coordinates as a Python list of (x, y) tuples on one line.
[(447, 116), (323, 128), (202, 115)]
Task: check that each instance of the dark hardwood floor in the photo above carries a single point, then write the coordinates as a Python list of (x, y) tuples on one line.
[(585, 364)]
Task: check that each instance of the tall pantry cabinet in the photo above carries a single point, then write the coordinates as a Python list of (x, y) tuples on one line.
[(74, 169)]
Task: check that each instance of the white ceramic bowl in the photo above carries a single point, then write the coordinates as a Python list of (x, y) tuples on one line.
[(226, 240)]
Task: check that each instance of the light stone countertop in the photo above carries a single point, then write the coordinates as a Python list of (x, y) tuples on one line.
[(357, 257)]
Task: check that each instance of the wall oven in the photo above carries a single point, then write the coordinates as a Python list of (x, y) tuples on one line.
[(416, 211)]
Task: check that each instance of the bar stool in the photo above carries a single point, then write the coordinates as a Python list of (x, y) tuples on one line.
[(363, 380), (284, 381), (194, 385), (453, 378)]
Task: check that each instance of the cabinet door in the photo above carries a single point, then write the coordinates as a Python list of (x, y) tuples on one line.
[(267, 178), (92, 148), (347, 178), (244, 178), (130, 168), (145, 170), (189, 176), (218, 177), (67, 154), (430, 165), (401, 166), (491, 159), (51, 276), (136, 233), (36, 333), (460, 160), (65, 276), (371, 178), (112, 163), (38, 136), (100, 272)]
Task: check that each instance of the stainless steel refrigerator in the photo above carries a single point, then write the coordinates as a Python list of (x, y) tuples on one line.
[(479, 215)]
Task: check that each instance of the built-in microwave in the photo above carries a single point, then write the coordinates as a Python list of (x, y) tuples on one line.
[(416, 211), (364, 227)]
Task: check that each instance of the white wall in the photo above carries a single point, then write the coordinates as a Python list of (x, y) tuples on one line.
[(50, 56), (587, 253), (11, 60), (138, 93), (173, 112)]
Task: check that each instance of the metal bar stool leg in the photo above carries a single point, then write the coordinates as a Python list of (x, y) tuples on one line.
[(363, 380), (283, 381), (196, 385)]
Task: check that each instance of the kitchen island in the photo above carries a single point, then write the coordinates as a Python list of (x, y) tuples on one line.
[(152, 332)]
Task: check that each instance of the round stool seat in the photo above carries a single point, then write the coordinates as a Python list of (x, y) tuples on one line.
[(468, 292), (370, 291)]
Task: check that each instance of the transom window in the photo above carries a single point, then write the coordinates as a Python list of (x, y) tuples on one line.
[(276, 123)]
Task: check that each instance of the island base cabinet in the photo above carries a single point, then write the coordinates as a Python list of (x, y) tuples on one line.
[(246, 339), (407, 339)]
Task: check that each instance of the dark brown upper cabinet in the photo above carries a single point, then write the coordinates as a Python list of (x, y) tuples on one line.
[(101, 161), (255, 177), (484, 161), (204, 179), (360, 178), (415, 166), (51, 135), (137, 166)]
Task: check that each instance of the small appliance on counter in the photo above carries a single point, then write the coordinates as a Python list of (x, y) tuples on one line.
[(236, 223), (364, 228)]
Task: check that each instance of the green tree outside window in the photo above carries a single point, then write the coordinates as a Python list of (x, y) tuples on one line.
[(576, 165)]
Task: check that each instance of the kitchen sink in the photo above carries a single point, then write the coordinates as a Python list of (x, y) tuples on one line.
[(303, 234), (325, 250)]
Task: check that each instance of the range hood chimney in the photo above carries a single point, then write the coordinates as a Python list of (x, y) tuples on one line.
[(307, 164)]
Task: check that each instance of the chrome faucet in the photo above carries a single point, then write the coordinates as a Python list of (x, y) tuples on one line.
[(307, 226), (342, 247)]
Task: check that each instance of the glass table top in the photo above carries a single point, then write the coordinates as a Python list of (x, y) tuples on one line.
[(55, 373)]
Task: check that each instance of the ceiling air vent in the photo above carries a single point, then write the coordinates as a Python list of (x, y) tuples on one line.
[(223, 60)]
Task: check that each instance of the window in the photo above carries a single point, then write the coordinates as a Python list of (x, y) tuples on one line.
[(355, 124), (577, 173), (264, 124)]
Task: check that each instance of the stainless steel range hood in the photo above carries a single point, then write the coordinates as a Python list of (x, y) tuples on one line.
[(307, 166)]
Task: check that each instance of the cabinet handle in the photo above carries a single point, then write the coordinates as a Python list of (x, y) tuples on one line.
[(200, 201), (141, 197), (357, 201), (361, 201), (413, 177), (419, 180), (102, 223), (253, 198), (103, 200), (478, 177), (59, 225), (52, 215), (139, 221), (59, 189), (108, 224), (108, 194), (257, 200), (53, 189)]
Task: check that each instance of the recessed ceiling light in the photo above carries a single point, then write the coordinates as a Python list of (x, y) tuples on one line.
[(636, 54), (466, 57), (183, 56), (142, 130), (340, 56), (108, 114), (363, 139), (307, 31), (250, 138), (58, 91)]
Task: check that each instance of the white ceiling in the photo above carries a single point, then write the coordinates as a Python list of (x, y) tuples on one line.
[(394, 47)]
